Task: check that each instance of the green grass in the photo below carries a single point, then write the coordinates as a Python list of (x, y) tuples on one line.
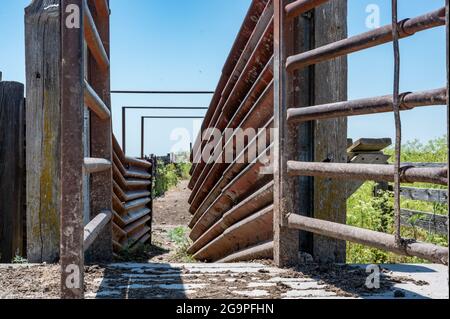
[(179, 236), (377, 213)]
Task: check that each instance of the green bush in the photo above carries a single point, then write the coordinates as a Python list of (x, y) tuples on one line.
[(168, 176), (377, 213)]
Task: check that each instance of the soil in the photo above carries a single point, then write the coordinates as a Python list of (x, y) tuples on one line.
[(157, 277)]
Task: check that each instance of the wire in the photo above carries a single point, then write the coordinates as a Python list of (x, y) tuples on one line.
[(398, 124)]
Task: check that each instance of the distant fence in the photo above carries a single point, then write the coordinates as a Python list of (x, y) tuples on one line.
[(431, 222), (12, 171), (132, 199)]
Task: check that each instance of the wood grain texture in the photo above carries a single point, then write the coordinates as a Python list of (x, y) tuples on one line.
[(42, 31), (330, 24), (12, 170)]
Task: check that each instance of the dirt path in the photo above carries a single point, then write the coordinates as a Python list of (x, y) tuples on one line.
[(170, 226), (163, 270), (227, 281)]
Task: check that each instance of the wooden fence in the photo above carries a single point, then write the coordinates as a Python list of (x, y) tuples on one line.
[(431, 222)]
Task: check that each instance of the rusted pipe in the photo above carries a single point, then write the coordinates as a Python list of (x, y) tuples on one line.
[(249, 24), (95, 227), (366, 40), (255, 118), (96, 165), (95, 103), (94, 40), (241, 234), (370, 238), (367, 106), (261, 251), (376, 172), (249, 178), (250, 102), (238, 88), (299, 7), (261, 198)]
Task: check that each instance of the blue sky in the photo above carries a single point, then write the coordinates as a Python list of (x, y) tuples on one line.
[(182, 45)]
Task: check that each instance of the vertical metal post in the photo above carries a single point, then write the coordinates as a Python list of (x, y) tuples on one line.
[(142, 136), (101, 145), (72, 109), (286, 241), (447, 17), (124, 129)]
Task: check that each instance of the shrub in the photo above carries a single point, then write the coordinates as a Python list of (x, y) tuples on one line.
[(377, 213), (168, 176)]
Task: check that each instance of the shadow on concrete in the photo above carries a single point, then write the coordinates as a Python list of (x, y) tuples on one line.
[(142, 281), (350, 280)]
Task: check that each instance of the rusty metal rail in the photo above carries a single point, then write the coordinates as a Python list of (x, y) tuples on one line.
[(230, 199), (407, 174), (85, 83), (383, 104), (366, 40), (132, 199)]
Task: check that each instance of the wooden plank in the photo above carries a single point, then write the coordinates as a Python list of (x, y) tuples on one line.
[(330, 136), (427, 195), (370, 158), (286, 241), (43, 127), (12, 170), (370, 145), (101, 142), (72, 152), (430, 222)]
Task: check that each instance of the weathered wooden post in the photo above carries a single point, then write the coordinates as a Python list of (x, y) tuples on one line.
[(12, 170), (42, 42), (320, 141), (330, 136)]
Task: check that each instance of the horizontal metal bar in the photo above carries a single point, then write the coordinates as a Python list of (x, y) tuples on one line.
[(95, 103), (366, 40), (96, 165), (262, 251), (95, 227), (163, 108), (373, 105), (160, 92), (370, 238), (299, 7), (375, 172), (94, 40)]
